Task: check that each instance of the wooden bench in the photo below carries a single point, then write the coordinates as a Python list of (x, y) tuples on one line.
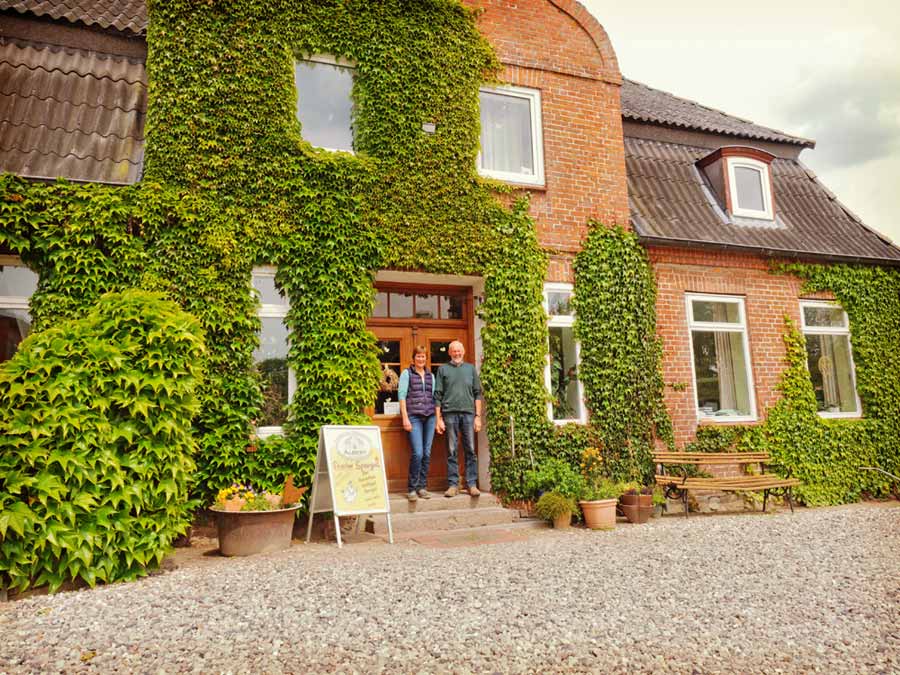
[(678, 486)]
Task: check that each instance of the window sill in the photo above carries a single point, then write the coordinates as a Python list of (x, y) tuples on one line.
[(523, 183), (719, 421), (840, 416), (562, 423), (265, 432)]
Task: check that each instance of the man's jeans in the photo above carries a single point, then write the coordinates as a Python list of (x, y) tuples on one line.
[(461, 423), (420, 439)]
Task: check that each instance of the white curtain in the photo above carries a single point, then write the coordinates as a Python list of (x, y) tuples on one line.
[(506, 143)]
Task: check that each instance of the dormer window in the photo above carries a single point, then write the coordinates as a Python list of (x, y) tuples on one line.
[(741, 181), (749, 182)]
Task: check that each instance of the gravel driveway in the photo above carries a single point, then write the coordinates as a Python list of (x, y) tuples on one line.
[(818, 591)]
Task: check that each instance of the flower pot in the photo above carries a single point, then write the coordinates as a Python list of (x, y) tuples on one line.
[(251, 532), (274, 501), (235, 503), (636, 500), (637, 514), (562, 521), (599, 514)]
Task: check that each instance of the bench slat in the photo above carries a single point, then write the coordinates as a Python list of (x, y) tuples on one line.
[(710, 458), (750, 483)]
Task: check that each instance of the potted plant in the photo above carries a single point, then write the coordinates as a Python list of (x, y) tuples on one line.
[(637, 503), (554, 475), (598, 504), (556, 508), (251, 521)]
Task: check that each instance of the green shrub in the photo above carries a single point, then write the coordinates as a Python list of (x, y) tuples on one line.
[(95, 443), (605, 488), (555, 475), (551, 505)]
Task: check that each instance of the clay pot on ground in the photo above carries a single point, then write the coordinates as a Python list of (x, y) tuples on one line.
[(563, 521), (599, 514), (637, 509), (251, 532)]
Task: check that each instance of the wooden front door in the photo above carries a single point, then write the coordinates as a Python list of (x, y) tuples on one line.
[(429, 324)]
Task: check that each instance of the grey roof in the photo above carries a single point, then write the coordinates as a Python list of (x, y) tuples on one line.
[(670, 204), (645, 104), (70, 113), (123, 15)]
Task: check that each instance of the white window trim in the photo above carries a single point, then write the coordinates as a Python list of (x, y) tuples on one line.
[(271, 311), (534, 98), (14, 301), (566, 321), (833, 330), (330, 60), (767, 213), (723, 327)]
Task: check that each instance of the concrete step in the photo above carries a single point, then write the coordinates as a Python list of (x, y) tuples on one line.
[(443, 519), (475, 536), (438, 502)]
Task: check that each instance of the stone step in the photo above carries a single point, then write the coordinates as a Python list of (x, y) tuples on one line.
[(445, 519), (475, 536), (438, 502)]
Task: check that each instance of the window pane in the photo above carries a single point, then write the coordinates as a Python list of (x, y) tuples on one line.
[(506, 141), (325, 104), (723, 387), (268, 291), (451, 307), (426, 306), (15, 325), (401, 305), (828, 357), (749, 188), (830, 317), (271, 362), (716, 312), (389, 355), (17, 282), (438, 354), (564, 374), (559, 303), (381, 305)]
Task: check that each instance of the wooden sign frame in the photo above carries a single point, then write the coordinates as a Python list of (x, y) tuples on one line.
[(351, 444)]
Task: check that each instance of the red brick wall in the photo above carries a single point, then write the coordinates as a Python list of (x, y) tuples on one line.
[(556, 47), (767, 299)]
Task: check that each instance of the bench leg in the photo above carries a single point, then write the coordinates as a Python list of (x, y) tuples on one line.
[(765, 499), (790, 501), (684, 500)]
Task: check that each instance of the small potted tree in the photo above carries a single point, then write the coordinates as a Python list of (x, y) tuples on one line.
[(556, 508)]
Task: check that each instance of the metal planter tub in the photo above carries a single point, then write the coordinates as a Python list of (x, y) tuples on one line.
[(251, 532)]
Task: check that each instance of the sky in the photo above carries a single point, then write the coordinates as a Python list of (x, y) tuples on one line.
[(824, 70)]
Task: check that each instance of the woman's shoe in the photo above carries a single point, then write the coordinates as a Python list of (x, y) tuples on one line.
[(412, 496), (424, 494)]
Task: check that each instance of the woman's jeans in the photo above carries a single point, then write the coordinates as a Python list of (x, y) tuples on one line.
[(461, 424), (420, 439)]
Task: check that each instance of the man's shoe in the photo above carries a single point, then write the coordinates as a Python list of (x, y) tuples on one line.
[(474, 491), (452, 491), (411, 496), (424, 494)]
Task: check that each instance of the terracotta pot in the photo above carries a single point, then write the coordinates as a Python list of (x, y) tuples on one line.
[(251, 532), (637, 514), (563, 521), (636, 500), (274, 501), (599, 514), (235, 503)]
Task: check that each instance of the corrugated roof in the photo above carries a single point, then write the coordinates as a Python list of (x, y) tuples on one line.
[(669, 203), (123, 15), (646, 104), (70, 113)]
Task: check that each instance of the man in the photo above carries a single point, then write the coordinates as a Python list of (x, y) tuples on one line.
[(457, 405)]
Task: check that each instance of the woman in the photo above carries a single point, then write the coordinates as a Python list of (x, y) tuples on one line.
[(416, 394)]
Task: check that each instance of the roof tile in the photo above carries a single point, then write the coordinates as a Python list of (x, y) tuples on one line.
[(123, 15)]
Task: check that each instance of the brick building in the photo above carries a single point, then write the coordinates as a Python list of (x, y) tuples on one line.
[(715, 199)]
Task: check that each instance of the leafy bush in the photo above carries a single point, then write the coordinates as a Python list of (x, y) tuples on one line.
[(95, 443), (605, 488), (551, 505), (555, 475)]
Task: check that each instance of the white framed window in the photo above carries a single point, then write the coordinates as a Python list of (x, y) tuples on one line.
[(561, 370), (829, 358), (325, 101), (723, 380), (511, 135), (751, 189), (17, 284), (270, 356)]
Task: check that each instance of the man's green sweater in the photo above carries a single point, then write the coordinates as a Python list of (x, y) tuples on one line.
[(456, 388)]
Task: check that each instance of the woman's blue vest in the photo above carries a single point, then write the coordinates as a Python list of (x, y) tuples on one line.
[(420, 396)]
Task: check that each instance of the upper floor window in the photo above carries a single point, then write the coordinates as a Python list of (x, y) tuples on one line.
[(17, 284), (325, 101), (830, 358), (511, 139), (270, 356), (722, 380), (751, 194), (561, 372)]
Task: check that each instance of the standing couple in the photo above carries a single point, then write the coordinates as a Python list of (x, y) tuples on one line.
[(451, 401)]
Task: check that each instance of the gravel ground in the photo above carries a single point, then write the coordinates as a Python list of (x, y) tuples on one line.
[(818, 591)]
